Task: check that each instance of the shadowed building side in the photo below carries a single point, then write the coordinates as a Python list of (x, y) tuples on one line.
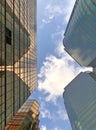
[(80, 35), (80, 42), (80, 101)]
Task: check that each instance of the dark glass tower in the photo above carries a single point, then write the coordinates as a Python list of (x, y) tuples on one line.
[(80, 101), (80, 34), (17, 55), (80, 42)]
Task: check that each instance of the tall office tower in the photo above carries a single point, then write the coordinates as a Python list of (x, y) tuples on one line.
[(80, 101), (26, 117), (17, 55), (80, 34), (80, 43)]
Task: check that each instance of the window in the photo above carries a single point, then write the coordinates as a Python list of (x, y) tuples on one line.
[(8, 36)]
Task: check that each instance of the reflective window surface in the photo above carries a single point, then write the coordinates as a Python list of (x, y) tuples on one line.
[(25, 118), (80, 101), (80, 35), (17, 55)]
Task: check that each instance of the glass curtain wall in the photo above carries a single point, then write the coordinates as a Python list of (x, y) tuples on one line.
[(17, 55)]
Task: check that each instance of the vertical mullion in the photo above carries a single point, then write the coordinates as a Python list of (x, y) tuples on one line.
[(27, 48), (5, 57), (19, 54), (1, 67), (25, 54), (13, 64)]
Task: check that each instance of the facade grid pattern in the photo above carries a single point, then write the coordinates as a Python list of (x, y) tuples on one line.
[(17, 55)]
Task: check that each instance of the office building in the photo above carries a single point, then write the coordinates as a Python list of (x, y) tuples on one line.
[(80, 35), (80, 42), (80, 101), (17, 55), (26, 117)]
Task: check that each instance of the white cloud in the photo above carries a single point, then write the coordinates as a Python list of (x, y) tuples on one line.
[(57, 8), (62, 114), (56, 73), (43, 127), (56, 129), (45, 114), (53, 10), (58, 33), (45, 21), (68, 9)]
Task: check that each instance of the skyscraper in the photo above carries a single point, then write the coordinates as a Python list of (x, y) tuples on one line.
[(80, 42), (26, 118), (80, 101), (17, 55), (80, 34)]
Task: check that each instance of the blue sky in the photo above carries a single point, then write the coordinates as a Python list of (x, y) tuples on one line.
[(55, 67)]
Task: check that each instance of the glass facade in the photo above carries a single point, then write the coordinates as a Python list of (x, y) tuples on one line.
[(24, 118), (80, 101), (17, 55), (80, 34)]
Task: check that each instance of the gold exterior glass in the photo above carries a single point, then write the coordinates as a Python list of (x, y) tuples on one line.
[(17, 55), (24, 119)]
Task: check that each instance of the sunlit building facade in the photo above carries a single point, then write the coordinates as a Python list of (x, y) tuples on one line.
[(26, 118), (80, 101), (17, 55), (80, 35)]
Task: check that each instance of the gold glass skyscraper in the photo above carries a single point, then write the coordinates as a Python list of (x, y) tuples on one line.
[(26, 118), (17, 55)]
